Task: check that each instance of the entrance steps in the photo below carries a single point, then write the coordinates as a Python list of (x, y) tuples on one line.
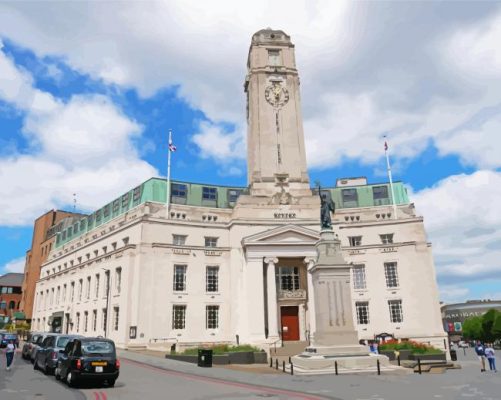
[(289, 349)]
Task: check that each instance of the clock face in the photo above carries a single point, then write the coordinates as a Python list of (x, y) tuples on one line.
[(276, 94)]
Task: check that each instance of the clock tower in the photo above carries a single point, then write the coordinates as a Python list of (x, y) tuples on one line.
[(275, 140)]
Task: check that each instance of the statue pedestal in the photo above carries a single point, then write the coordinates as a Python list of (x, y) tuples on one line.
[(335, 340)]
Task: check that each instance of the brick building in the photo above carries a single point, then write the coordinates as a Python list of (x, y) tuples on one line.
[(10, 295)]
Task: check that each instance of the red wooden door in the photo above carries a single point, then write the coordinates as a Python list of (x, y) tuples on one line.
[(290, 322)]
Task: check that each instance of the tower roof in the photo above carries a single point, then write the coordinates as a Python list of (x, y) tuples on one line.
[(271, 36)]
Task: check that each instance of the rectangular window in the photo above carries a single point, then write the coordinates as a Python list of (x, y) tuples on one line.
[(396, 314), (98, 216), (386, 238), (210, 241), (179, 190), (75, 228), (212, 279), (390, 272), (179, 278), (82, 225), (70, 231), (116, 206), (350, 197), (116, 314), (58, 293), (87, 293), (86, 320), (105, 318), (355, 241), (359, 277), (380, 192), (288, 278), (136, 195), (209, 193), (72, 292), (64, 293), (96, 292), (94, 320), (178, 316), (80, 289), (118, 280), (179, 240), (362, 312), (125, 200), (212, 317), (106, 210), (274, 57), (78, 322), (233, 195), (107, 283)]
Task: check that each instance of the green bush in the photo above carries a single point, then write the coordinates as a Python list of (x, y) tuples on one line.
[(414, 347), (221, 349)]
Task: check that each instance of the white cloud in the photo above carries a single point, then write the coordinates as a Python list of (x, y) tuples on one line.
[(82, 146), (16, 265), (453, 293), (215, 143), (464, 226)]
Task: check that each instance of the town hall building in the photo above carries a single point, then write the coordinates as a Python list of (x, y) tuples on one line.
[(230, 264)]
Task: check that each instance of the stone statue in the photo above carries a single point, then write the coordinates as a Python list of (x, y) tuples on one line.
[(326, 207)]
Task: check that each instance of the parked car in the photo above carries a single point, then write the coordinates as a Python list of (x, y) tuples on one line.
[(38, 343), (88, 359), (28, 345), (49, 354), (463, 344), (5, 338)]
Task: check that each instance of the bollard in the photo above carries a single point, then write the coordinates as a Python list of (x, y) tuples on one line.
[(271, 362), (276, 363), (283, 366), (335, 366), (398, 360), (292, 369), (464, 350), (419, 365), (378, 368), (289, 359)]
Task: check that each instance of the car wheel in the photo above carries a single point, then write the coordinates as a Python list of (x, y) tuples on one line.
[(46, 369), (111, 382), (56, 375), (35, 365), (70, 379)]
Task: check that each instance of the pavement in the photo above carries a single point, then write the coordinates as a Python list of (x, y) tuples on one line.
[(151, 377)]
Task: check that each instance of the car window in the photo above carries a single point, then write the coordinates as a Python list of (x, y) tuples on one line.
[(40, 340), (62, 341), (34, 338), (97, 346), (68, 347), (46, 342)]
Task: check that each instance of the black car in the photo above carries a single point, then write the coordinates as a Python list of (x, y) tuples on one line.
[(6, 338), (89, 360), (49, 354)]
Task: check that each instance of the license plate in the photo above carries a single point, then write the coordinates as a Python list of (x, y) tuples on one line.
[(99, 369), (99, 363)]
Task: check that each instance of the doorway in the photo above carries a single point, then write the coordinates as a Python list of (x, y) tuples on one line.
[(289, 318)]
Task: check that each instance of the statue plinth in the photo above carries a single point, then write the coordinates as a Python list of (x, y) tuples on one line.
[(335, 339)]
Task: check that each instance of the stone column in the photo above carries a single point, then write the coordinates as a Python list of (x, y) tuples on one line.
[(310, 262), (272, 298)]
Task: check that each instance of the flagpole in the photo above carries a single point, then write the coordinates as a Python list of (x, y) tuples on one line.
[(388, 167), (168, 173)]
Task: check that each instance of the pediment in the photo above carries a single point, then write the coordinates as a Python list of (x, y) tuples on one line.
[(284, 235)]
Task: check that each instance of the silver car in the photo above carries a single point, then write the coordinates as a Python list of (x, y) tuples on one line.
[(28, 345), (38, 343), (49, 352)]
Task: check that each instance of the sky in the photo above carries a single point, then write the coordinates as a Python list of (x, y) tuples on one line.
[(88, 92)]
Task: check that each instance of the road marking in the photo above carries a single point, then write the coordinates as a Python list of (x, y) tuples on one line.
[(219, 381), (103, 395)]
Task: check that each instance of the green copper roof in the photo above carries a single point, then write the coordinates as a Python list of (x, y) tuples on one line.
[(217, 196)]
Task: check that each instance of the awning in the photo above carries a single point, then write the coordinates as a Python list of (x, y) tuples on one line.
[(19, 315)]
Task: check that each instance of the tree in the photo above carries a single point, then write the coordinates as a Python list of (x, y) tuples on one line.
[(487, 323), (496, 326), (472, 328)]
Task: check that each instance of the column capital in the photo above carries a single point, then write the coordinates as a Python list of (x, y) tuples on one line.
[(270, 260), (309, 261)]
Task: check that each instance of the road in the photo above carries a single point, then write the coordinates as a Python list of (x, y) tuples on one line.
[(136, 381)]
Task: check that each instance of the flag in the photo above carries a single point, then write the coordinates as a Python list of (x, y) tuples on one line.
[(385, 146), (172, 147)]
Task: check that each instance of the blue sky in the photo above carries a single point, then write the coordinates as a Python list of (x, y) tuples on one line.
[(87, 95)]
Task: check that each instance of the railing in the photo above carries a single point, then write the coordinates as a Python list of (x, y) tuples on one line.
[(274, 344)]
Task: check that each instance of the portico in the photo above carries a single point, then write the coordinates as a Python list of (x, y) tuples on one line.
[(285, 254)]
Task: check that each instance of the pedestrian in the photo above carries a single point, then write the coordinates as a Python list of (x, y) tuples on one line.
[(491, 357), (480, 350), (9, 354)]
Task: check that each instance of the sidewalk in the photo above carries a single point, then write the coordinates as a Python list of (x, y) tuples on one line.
[(467, 382)]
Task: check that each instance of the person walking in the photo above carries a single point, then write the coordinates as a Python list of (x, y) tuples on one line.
[(9, 354), (491, 357), (480, 350)]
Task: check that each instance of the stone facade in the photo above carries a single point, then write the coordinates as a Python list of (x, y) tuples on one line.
[(182, 278)]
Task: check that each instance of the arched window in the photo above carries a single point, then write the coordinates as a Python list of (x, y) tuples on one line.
[(12, 305)]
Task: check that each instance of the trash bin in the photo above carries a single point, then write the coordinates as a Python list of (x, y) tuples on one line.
[(454, 356), (204, 358)]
